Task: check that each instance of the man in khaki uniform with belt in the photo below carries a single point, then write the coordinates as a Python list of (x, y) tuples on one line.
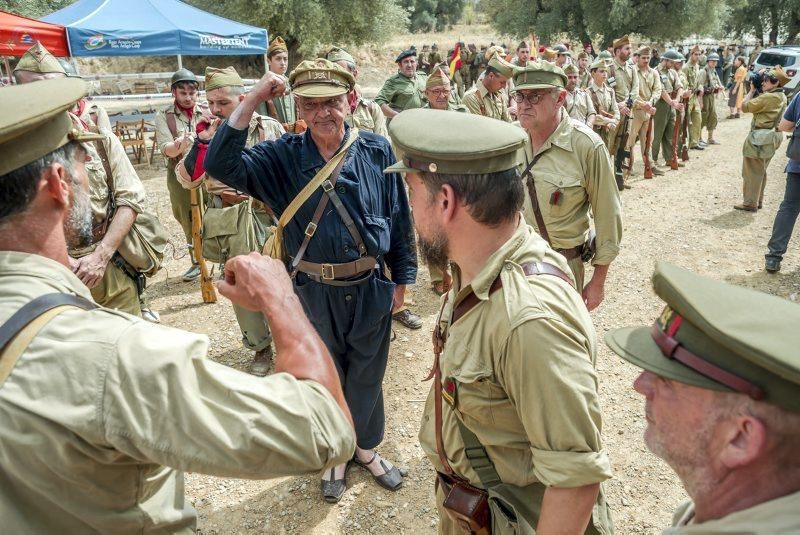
[(578, 104), (709, 80), (175, 132), (644, 107), (101, 412), (571, 174), (623, 80), (720, 380), (692, 72), (488, 97), (365, 114), (544, 462), (602, 97), (224, 92), (98, 264), (667, 106)]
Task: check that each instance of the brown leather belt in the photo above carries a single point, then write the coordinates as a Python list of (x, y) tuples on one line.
[(572, 253), (333, 272)]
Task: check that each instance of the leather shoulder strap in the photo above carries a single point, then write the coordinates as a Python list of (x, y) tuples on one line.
[(537, 211), (21, 328), (171, 123)]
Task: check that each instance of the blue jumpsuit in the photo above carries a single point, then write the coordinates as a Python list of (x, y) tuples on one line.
[(353, 321)]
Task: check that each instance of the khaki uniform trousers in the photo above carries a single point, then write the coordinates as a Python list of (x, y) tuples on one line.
[(663, 126), (459, 81), (118, 291), (608, 137), (709, 114), (181, 200), (754, 173), (695, 122), (639, 130), (578, 269)]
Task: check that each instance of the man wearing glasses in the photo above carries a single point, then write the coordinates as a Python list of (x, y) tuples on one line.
[(569, 173)]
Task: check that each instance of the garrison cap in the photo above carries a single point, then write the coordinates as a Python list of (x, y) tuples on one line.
[(599, 63), (672, 55), (496, 61), (320, 78), (36, 121), (622, 41), (549, 54), (183, 75), (438, 78), (720, 337), (713, 57), (227, 77), (583, 55), (277, 45), (539, 75), (337, 54), (39, 60), (643, 51), (779, 74), (406, 54), (571, 69), (605, 54), (450, 142), (561, 49)]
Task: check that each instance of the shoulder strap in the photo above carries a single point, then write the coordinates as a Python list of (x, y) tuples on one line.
[(100, 146), (537, 212), (21, 328), (171, 123)]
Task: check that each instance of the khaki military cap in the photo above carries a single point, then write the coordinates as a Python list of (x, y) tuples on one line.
[(720, 337), (605, 54), (644, 51), (571, 69), (779, 74), (539, 75), (277, 45), (599, 63), (36, 120), (496, 61), (337, 54), (320, 78), (622, 41), (583, 55), (549, 54), (450, 142), (38, 59), (438, 78), (227, 77)]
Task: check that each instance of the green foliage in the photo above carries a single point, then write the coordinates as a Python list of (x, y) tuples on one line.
[(33, 9), (768, 20), (604, 19), (430, 15)]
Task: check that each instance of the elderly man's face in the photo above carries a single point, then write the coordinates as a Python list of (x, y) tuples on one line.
[(325, 115), (537, 108), (408, 66), (279, 62), (438, 97)]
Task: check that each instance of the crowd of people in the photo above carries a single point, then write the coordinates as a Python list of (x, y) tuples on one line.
[(513, 172)]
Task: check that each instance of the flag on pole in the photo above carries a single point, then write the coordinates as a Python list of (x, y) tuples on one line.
[(534, 47), (455, 62)]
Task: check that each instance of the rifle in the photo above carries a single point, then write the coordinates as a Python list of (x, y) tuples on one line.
[(206, 285), (685, 130), (673, 162), (623, 154), (648, 166)]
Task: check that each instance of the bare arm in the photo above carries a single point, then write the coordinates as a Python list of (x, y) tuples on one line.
[(388, 111), (566, 511), (786, 126), (268, 87)]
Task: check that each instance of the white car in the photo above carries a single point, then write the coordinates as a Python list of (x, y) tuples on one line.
[(788, 57)]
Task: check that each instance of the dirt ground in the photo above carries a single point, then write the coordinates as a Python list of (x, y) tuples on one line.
[(685, 217)]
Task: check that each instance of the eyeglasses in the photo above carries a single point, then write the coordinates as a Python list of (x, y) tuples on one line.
[(439, 92), (316, 106), (530, 98)]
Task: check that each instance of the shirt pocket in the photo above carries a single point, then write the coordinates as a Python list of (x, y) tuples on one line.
[(379, 229), (471, 380), (558, 193)]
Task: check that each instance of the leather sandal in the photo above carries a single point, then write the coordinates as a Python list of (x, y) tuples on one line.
[(390, 480), (333, 489)]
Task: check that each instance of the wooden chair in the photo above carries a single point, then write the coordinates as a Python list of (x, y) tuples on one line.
[(131, 134), (124, 87)]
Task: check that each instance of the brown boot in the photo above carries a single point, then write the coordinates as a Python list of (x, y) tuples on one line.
[(262, 362)]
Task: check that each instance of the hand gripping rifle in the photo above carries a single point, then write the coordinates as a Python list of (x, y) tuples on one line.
[(623, 159)]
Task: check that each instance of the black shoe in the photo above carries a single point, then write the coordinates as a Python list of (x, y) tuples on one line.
[(333, 489), (696, 147), (392, 479), (261, 362), (772, 265), (408, 318)]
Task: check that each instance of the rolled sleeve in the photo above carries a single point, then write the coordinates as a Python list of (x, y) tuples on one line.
[(564, 437), (755, 105), (163, 135), (606, 206), (182, 410)]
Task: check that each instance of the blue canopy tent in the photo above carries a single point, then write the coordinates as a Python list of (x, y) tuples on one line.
[(153, 28)]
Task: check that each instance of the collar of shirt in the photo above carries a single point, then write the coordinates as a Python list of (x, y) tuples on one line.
[(50, 272), (310, 157), (775, 516)]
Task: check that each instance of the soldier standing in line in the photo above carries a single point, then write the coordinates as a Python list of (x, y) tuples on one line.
[(434, 58), (489, 97), (466, 61), (709, 80), (424, 59), (683, 139), (644, 107), (602, 96), (692, 72), (406, 89), (283, 108), (584, 76), (578, 103), (570, 178), (251, 219), (365, 114), (623, 80), (175, 127), (668, 105), (523, 55)]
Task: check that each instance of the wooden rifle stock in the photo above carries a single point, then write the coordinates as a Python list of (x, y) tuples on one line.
[(206, 284), (685, 130), (673, 162), (648, 141)]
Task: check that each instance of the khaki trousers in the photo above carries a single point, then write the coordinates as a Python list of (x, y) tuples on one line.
[(709, 114), (180, 199), (695, 122), (639, 130), (117, 290), (578, 269), (754, 174), (663, 126)]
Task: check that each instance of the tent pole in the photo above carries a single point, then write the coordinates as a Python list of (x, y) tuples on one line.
[(8, 71), (266, 64), (180, 62)]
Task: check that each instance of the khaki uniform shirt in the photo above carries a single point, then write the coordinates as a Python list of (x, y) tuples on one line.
[(285, 110), (603, 101), (368, 117), (182, 124), (649, 92), (692, 73), (767, 109), (780, 516), (626, 83), (104, 411), (579, 105), (94, 113), (503, 390), (575, 162), (402, 93), (670, 81), (479, 101), (709, 80), (585, 79)]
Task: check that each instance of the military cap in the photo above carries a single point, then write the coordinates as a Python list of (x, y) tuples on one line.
[(622, 41), (713, 57), (561, 49), (779, 74), (583, 55), (337, 54), (539, 75), (36, 120), (182, 75), (643, 51), (599, 63), (672, 55), (549, 54), (438, 78), (320, 78), (571, 69), (69, 68), (450, 142), (39, 60), (496, 61), (277, 45), (605, 54), (720, 337), (411, 52), (227, 77)]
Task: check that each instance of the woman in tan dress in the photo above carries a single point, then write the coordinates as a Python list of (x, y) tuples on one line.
[(736, 93)]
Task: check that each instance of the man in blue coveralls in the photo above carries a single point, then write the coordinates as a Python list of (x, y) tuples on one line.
[(361, 224)]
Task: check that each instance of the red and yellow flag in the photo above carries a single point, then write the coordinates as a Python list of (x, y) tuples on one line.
[(455, 61), (534, 47)]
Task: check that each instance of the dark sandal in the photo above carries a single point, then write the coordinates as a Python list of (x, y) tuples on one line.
[(390, 480), (333, 489)]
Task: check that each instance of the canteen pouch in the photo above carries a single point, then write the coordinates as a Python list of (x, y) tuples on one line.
[(228, 232), (513, 508), (466, 505), (762, 136), (590, 247), (144, 246)]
